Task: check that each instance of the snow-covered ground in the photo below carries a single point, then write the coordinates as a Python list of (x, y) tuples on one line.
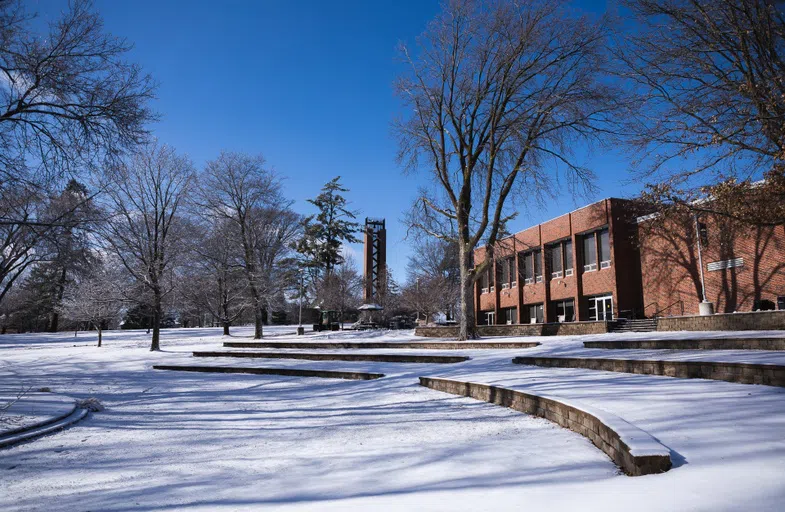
[(189, 441)]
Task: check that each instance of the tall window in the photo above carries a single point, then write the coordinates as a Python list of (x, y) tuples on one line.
[(508, 273), (605, 249), (537, 255), (560, 259), (532, 266), (568, 258), (484, 282), (594, 245), (555, 257), (589, 253)]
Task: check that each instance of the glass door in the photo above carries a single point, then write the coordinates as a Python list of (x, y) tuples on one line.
[(601, 308)]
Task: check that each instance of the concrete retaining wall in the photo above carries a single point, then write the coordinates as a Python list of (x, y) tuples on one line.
[(436, 345), (327, 374), (384, 358), (754, 321), (611, 434), (552, 329), (743, 373), (700, 344)]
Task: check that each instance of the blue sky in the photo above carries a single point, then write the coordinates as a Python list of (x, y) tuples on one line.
[(307, 84)]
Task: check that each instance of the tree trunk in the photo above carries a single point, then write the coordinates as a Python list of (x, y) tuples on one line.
[(99, 335), (226, 327), (156, 343), (258, 322), (60, 291), (468, 329)]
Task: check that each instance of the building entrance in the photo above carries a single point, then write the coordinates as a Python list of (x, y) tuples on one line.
[(601, 308)]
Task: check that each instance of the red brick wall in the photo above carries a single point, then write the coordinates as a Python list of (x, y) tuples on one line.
[(670, 270), (611, 213)]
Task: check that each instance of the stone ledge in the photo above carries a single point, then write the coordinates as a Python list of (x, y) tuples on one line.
[(632, 449), (748, 321), (436, 345), (742, 373), (697, 344), (550, 329), (384, 358), (289, 372)]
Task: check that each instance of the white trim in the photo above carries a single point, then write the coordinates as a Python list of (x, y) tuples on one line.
[(568, 272), (605, 264)]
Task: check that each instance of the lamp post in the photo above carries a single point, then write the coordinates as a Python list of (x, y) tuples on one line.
[(300, 328)]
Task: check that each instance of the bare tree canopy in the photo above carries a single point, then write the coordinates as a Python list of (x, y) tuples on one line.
[(147, 231), (241, 191), (711, 78), (67, 96), (499, 93)]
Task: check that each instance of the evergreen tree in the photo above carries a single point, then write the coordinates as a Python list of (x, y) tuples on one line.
[(325, 232)]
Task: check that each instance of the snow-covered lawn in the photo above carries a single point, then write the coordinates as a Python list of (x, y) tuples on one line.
[(189, 441)]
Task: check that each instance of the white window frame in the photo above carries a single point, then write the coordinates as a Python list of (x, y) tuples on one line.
[(539, 278), (590, 267), (528, 280), (505, 286), (556, 275), (605, 264), (484, 290), (568, 272), (514, 284)]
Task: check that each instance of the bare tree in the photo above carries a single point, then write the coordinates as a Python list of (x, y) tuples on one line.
[(499, 93), (240, 190), (67, 96), (94, 298), (146, 230), (214, 278), (711, 116)]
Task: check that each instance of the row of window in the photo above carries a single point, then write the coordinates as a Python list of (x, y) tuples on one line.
[(599, 308), (560, 262)]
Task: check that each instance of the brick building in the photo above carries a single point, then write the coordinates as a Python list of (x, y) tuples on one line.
[(602, 261)]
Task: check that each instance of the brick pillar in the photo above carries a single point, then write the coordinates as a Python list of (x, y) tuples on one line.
[(580, 313)]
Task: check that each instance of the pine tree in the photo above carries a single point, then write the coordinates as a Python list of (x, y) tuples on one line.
[(325, 232)]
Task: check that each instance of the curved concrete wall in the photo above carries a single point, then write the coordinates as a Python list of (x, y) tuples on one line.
[(743, 373), (635, 451)]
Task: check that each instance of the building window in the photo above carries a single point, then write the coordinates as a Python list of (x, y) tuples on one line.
[(560, 259), (592, 243), (484, 282), (507, 273), (531, 263), (509, 315), (781, 303), (567, 258), (555, 257), (534, 313), (589, 253), (537, 256), (605, 249), (565, 310), (490, 318), (601, 308)]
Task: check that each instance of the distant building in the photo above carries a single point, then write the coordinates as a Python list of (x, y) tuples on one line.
[(602, 261)]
